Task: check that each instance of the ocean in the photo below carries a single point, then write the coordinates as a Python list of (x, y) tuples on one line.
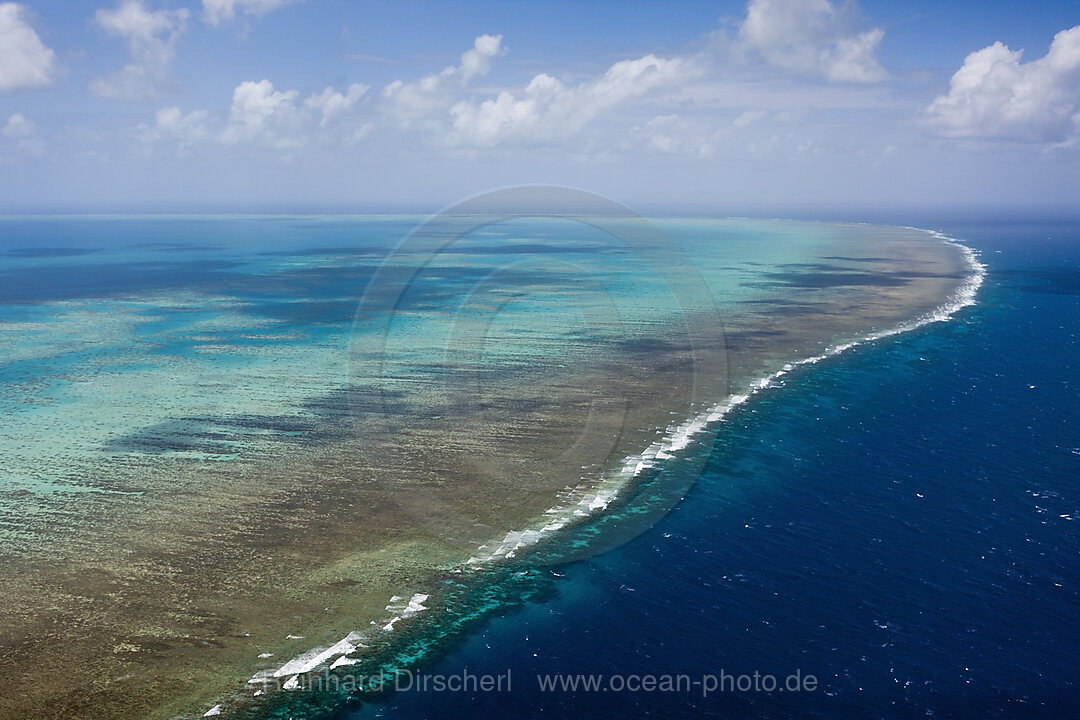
[(220, 456), (899, 521)]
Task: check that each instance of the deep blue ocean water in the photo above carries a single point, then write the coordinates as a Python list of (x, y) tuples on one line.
[(902, 522)]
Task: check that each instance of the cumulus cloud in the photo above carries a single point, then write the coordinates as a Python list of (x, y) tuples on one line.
[(25, 62), (663, 104), (18, 127), (171, 123), (812, 37), (23, 133), (996, 96), (151, 38), (331, 104), (424, 102), (446, 107), (220, 12), (476, 61), (676, 135), (548, 110), (261, 113)]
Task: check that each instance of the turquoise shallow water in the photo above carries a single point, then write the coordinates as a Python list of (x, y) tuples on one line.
[(98, 315)]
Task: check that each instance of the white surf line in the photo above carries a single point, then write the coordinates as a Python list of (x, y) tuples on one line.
[(584, 500), (401, 609), (337, 655), (308, 661)]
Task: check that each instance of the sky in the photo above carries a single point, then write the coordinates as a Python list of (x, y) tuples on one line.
[(775, 107)]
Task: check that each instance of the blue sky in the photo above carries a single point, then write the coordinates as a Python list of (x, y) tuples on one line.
[(768, 106)]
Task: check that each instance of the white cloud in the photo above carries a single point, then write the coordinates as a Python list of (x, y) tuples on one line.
[(151, 37), (171, 123), (25, 62), (18, 127), (811, 37), (261, 113), (674, 134), (994, 95), (23, 133), (819, 39), (219, 12), (331, 104), (674, 104), (476, 61), (425, 101), (677, 135), (548, 111)]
